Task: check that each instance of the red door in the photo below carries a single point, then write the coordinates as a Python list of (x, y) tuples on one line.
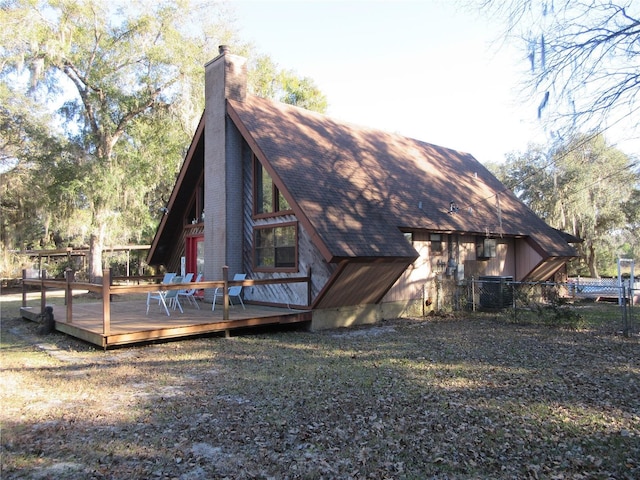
[(195, 254)]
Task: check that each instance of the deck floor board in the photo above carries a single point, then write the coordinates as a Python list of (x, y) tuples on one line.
[(130, 324)]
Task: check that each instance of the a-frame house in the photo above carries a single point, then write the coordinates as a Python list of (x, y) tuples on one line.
[(272, 190)]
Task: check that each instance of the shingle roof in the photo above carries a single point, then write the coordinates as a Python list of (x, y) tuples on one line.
[(359, 186)]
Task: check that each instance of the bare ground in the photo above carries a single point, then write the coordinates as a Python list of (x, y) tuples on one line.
[(405, 399)]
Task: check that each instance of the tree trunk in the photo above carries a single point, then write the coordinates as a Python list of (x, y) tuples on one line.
[(591, 262), (95, 258)]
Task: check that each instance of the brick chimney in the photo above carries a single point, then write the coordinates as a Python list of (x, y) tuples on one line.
[(225, 77)]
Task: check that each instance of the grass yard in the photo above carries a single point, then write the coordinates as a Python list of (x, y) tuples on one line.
[(405, 399)]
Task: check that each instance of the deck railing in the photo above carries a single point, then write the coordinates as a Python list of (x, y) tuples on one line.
[(107, 289)]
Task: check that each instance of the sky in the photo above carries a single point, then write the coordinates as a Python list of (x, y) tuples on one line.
[(425, 69)]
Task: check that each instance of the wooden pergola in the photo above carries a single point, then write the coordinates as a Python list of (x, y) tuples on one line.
[(82, 252)]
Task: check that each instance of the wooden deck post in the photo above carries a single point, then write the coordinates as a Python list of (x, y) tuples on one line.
[(24, 287), (43, 291), (68, 293), (110, 282), (225, 293), (106, 302)]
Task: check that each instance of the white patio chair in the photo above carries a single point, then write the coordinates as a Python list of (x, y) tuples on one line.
[(168, 277), (175, 297), (171, 296), (189, 294), (235, 291)]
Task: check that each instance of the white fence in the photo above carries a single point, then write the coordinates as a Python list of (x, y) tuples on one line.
[(604, 288)]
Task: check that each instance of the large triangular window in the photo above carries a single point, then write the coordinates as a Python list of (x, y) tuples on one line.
[(268, 200)]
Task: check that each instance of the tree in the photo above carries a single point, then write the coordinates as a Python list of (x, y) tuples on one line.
[(268, 81), (630, 237), (529, 175), (124, 67), (125, 81), (584, 57), (584, 187), (26, 148)]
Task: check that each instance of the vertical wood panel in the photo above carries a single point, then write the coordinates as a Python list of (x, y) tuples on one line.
[(411, 283), (361, 283), (526, 258)]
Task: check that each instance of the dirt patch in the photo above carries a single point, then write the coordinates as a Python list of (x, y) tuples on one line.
[(474, 398)]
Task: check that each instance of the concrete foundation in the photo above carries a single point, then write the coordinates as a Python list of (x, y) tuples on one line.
[(364, 314)]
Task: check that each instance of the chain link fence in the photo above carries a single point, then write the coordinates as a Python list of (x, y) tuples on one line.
[(560, 304)]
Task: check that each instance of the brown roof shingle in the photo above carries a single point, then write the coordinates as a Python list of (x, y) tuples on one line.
[(359, 186)]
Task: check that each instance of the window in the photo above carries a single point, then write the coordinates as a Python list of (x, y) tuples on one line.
[(195, 213), (486, 248), (436, 243), (276, 247), (268, 199)]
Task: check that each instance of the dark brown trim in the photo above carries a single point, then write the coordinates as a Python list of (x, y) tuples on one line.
[(283, 213), (273, 226)]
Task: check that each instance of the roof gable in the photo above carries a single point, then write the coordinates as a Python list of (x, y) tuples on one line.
[(170, 226)]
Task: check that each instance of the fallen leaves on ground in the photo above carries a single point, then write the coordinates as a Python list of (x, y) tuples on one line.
[(406, 399)]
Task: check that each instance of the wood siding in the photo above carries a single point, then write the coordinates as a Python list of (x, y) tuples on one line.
[(359, 283), (418, 280), (546, 270), (412, 282), (309, 257), (503, 264), (173, 265), (527, 259)]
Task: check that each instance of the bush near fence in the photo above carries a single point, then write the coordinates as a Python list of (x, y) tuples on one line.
[(556, 304)]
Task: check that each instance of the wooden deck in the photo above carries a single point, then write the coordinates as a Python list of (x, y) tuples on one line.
[(129, 323)]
